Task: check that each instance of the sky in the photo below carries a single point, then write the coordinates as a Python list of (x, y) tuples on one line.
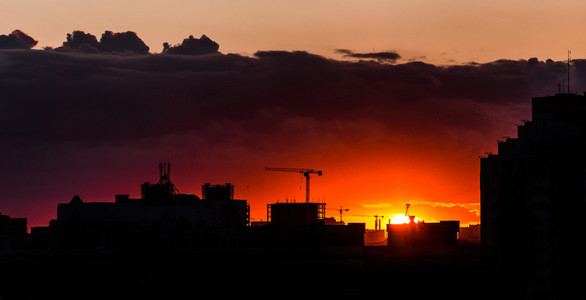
[(443, 32), (394, 101)]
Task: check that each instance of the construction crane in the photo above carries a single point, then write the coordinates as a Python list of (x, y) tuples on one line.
[(340, 210), (305, 172)]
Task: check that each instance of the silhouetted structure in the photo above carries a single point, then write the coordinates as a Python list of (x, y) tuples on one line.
[(333, 221), (12, 232), (296, 214), (533, 198), (470, 233), (166, 243), (423, 235), (303, 225), (162, 217)]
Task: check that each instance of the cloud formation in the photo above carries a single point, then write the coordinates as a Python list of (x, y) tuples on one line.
[(471, 207), (381, 57), (193, 46), (17, 40), (169, 93), (110, 42)]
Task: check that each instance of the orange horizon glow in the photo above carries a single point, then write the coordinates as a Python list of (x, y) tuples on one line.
[(438, 189), (381, 185)]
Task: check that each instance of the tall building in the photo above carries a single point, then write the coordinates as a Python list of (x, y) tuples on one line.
[(533, 195)]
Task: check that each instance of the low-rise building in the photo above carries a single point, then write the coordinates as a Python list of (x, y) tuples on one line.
[(12, 231), (423, 235), (161, 217)]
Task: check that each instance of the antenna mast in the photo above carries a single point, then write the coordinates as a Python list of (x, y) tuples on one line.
[(569, 52)]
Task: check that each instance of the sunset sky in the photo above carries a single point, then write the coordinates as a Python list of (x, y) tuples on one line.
[(447, 31), (393, 100)]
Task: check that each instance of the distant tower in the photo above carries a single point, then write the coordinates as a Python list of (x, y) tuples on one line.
[(165, 177), (161, 190), (164, 173)]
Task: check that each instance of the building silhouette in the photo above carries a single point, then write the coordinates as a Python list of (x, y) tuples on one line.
[(296, 214), (165, 218), (167, 243), (422, 235), (12, 232), (304, 225), (470, 233), (161, 217), (533, 197)]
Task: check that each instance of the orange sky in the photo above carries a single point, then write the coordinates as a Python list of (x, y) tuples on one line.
[(373, 161), (449, 31), (438, 178)]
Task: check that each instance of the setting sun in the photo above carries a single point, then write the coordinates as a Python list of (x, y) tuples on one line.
[(402, 219)]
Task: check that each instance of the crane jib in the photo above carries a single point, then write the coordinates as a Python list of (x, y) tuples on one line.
[(305, 172)]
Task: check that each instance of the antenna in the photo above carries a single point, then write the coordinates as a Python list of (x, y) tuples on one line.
[(569, 52)]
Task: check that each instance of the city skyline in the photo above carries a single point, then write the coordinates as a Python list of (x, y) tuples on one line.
[(461, 121), (532, 191)]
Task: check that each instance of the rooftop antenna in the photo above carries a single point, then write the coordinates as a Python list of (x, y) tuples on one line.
[(569, 52), (165, 176)]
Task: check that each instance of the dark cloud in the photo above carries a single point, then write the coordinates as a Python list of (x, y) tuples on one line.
[(53, 95), (79, 39), (110, 42), (125, 97), (193, 46), (381, 57), (122, 42), (17, 40)]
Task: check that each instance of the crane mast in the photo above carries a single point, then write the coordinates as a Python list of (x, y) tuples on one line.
[(342, 210), (306, 173)]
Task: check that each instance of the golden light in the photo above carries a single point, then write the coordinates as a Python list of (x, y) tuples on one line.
[(402, 219)]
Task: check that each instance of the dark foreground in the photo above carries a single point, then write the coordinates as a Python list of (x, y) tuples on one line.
[(282, 273)]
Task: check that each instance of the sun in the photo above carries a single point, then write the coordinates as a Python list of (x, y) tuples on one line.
[(401, 219)]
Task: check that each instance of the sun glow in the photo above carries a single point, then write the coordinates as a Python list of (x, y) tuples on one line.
[(402, 219)]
